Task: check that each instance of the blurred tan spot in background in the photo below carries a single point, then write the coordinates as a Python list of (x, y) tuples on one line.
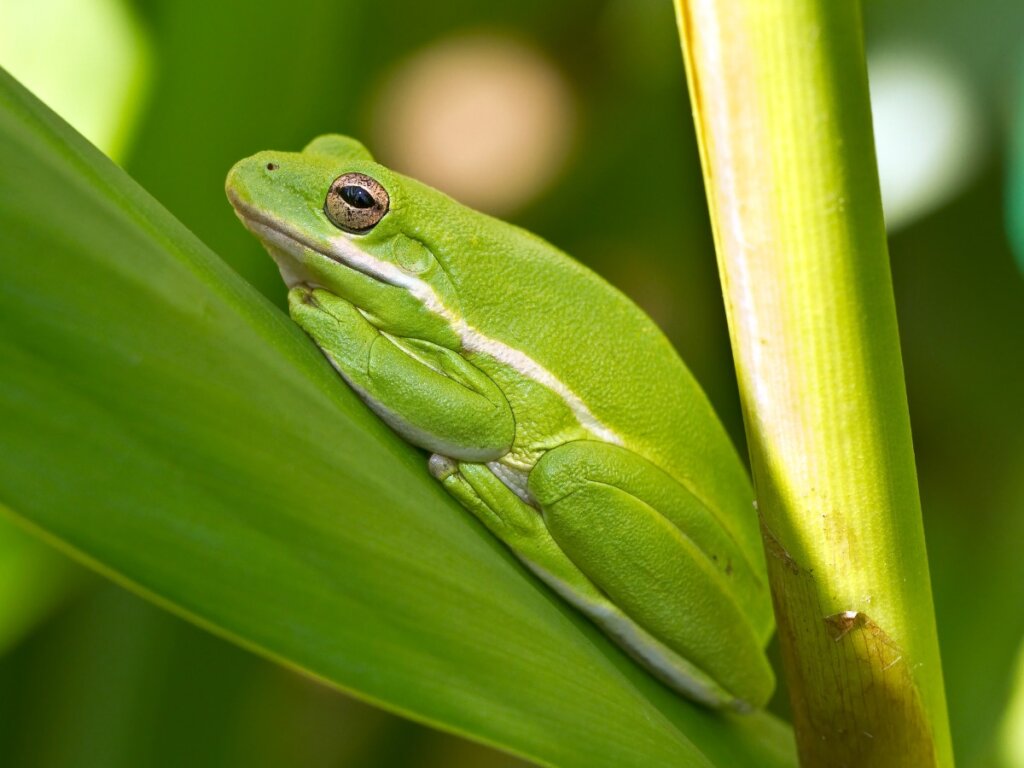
[(482, 116)]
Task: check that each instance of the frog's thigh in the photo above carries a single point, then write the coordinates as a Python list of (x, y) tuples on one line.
[(430, 395), (522, 529), (647, 566), (514, 522)]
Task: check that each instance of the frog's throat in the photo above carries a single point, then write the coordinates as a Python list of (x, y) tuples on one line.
[(344, 251)]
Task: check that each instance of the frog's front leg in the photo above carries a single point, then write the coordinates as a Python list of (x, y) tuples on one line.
[(429, 394), (523, 529), (663, 558)]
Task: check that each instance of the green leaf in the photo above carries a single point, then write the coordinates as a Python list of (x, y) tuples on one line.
[(164, 422)]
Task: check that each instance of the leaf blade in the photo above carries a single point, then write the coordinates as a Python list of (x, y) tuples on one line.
[(166, 423)]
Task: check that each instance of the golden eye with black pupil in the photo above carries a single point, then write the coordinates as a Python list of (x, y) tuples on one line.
[(356, 202)]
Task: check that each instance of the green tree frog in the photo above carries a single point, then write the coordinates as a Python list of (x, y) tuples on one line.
[(555, 410)]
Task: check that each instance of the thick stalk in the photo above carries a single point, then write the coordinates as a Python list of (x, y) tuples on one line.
[(779, 90)]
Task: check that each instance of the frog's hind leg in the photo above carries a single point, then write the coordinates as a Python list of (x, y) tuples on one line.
[(662, 557), (508, 517), (522, 528)]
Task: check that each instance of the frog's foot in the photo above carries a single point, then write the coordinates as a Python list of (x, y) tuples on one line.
[(522, 528)]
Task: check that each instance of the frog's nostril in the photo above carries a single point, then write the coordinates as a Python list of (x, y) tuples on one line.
[(272, 166)]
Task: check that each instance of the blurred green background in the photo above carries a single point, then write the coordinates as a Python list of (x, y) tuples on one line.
[(542, 113)]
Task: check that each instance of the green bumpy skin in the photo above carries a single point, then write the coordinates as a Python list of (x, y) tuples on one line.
[(556, 411)]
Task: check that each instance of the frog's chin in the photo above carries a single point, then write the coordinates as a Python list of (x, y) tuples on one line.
[(288, 253), (293, 272), (283, 249)]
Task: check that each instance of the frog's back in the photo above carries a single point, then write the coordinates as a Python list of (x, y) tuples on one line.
[(607, 352)]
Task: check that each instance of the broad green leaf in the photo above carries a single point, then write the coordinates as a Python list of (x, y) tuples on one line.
[(165, 423), (126, 684)]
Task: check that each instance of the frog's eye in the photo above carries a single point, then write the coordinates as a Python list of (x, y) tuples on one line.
[(356, 202)]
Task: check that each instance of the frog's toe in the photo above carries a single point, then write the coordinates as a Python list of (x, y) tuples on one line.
[(442, 467)]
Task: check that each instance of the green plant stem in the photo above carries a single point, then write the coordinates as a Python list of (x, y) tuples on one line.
[(779, 90)]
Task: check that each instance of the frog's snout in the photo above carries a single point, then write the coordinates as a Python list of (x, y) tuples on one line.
[(250, 174)]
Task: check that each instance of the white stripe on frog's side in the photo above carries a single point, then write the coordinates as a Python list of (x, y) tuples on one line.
[(349, 254)]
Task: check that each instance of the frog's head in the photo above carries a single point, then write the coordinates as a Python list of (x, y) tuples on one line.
[(334, 219)]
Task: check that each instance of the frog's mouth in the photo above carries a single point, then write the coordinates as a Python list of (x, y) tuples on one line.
[(291, 249), (295, 252), (287, 252)]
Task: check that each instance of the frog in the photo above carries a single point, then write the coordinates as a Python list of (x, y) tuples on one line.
[(552, 408)]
